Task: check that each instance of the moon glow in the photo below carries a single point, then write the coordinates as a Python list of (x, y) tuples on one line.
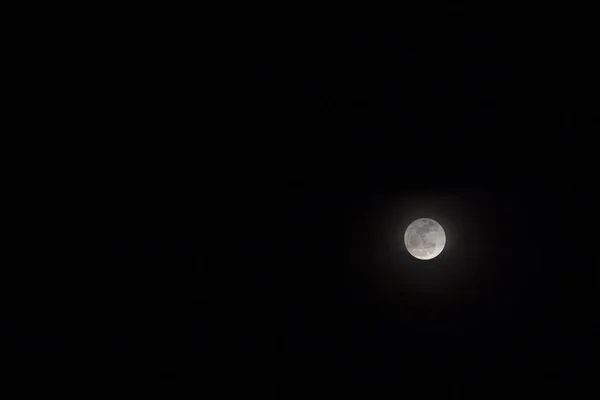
[(425, 239)]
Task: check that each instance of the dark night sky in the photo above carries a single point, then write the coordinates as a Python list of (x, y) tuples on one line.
[(249, 231), (340, 133)]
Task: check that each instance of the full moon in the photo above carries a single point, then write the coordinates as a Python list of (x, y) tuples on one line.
[(424, 239)]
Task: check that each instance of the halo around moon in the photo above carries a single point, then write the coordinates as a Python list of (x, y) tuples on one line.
[(424, 239)]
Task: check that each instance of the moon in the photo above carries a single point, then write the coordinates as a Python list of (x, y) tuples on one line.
[(425, 239)]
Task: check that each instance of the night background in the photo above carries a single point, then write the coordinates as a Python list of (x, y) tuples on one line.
[(251, 187)]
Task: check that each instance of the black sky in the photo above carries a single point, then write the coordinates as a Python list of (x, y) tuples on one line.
[(251, 181), (340, 131)]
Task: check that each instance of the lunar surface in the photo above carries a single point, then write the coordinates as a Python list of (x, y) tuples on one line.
[(425, 239)]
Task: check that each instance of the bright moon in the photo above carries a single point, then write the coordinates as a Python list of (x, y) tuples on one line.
[(424, 239)]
